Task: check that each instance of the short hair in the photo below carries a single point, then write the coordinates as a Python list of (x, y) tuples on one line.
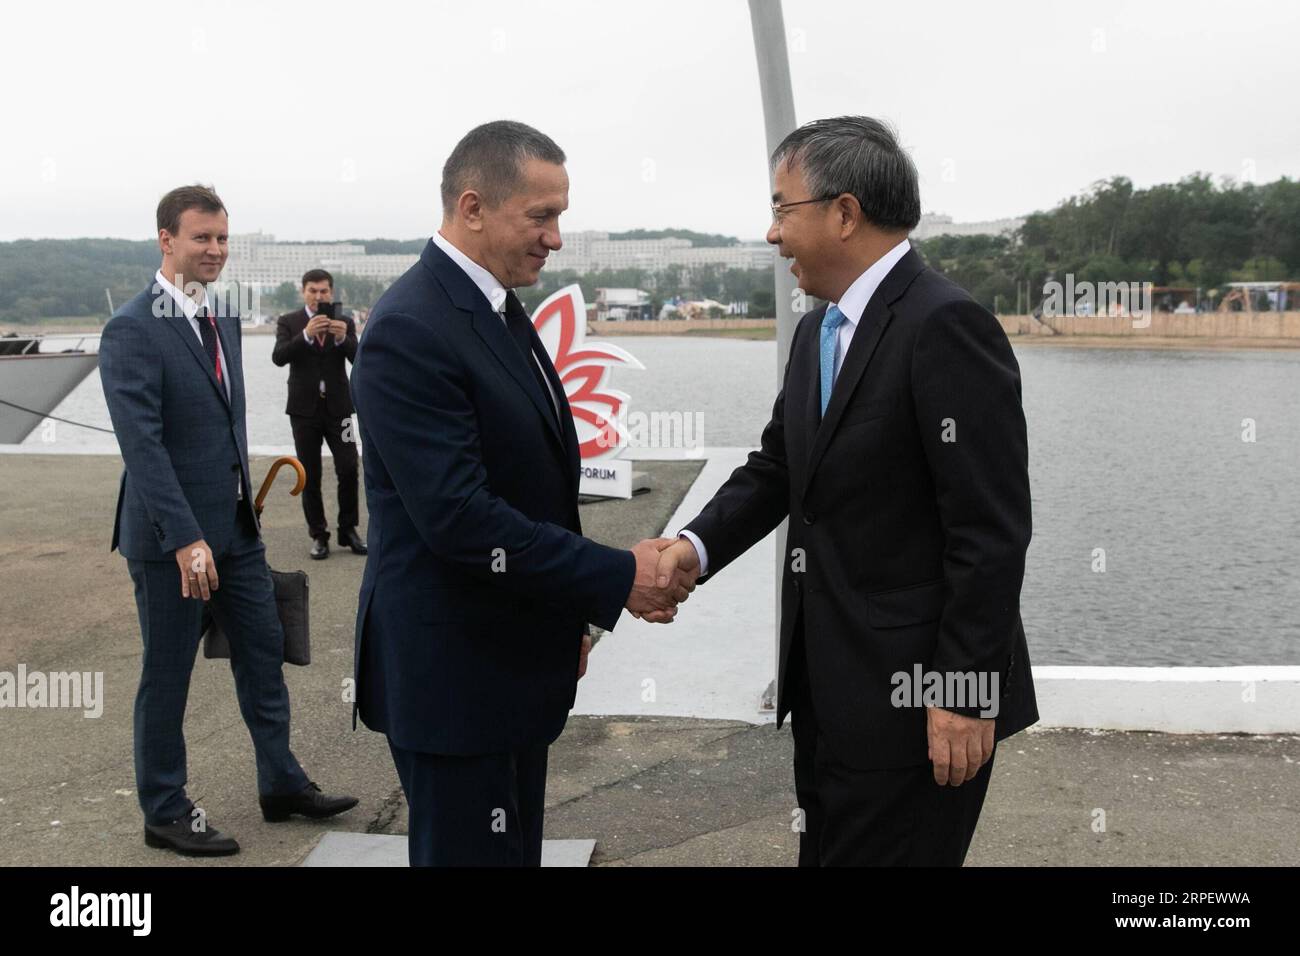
[(490, 159), (860, 156), (182, 198), (317, 275)]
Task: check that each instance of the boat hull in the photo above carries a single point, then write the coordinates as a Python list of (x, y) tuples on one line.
[(39, 382)]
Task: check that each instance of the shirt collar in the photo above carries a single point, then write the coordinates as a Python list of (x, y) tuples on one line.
[(855, 298), (188, 305), (492, 290)]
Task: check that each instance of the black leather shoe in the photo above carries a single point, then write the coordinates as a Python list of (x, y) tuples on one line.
[(180, 837), (321, 549), (309, 803), (352, 540)]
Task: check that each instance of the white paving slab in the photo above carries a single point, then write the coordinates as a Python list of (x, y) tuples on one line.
[(382, 849), (716, 659)]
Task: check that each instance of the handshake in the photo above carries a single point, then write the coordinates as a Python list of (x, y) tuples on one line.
[(666, 569)]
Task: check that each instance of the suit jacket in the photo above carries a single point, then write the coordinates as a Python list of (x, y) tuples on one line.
[(478, 585), (904, 548), (310, 364), (183, 444)]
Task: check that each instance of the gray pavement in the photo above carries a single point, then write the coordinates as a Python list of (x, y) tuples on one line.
[(649, 791)]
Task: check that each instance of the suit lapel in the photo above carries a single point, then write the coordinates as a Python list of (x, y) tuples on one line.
[(871, 327), (810, 358), (491, 328)]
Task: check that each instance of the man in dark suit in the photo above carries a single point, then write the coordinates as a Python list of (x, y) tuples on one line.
[(897, 449), (317, 347), (473, 612), (170, 361)]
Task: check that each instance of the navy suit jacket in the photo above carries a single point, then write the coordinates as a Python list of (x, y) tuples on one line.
[(183, 444), (909, 514), (479, 585)]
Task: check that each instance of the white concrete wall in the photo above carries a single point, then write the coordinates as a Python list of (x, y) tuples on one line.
[(1180, 700)]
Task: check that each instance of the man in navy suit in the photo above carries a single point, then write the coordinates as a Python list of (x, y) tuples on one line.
[(479, 586), (170, 362)]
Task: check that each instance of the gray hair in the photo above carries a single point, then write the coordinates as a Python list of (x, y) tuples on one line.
[(860, 156), (489, 159)]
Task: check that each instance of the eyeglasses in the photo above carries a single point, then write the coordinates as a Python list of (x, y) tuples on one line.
[(779, 208)]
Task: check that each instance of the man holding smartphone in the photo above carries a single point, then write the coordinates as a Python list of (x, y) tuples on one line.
[(316, 342)]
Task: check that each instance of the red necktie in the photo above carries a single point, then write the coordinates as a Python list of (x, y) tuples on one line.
[(213, 322), (210, 341)]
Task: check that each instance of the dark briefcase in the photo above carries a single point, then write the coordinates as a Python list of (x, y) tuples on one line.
[(291, 593)]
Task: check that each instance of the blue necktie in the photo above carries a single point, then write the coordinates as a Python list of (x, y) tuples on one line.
[(831, 323)]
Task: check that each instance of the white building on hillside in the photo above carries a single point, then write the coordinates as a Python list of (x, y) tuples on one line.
[(937, 224), (591, 251), (256, 259)]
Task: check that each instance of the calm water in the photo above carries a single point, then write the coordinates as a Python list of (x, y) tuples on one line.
[(1136, 452)]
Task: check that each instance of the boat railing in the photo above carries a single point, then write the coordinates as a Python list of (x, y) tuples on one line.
[(47, 343)]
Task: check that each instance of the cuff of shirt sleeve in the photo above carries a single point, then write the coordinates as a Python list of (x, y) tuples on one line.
[(694, 539)]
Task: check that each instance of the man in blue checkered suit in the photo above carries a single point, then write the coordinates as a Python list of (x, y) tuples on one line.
[(170, 362)]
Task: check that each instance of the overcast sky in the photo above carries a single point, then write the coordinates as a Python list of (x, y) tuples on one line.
[(326, 119)]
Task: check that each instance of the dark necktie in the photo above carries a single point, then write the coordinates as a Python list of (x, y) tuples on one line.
[(208, 332), (519, 326)]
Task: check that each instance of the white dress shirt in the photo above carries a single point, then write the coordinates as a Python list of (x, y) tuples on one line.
[(493, 291), (853, 303), (191, 310)]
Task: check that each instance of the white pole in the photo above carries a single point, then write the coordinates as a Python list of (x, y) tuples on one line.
[(778, 120)]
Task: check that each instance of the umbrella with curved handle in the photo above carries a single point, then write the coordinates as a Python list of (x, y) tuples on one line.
[(298, 485), (291, 591)]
